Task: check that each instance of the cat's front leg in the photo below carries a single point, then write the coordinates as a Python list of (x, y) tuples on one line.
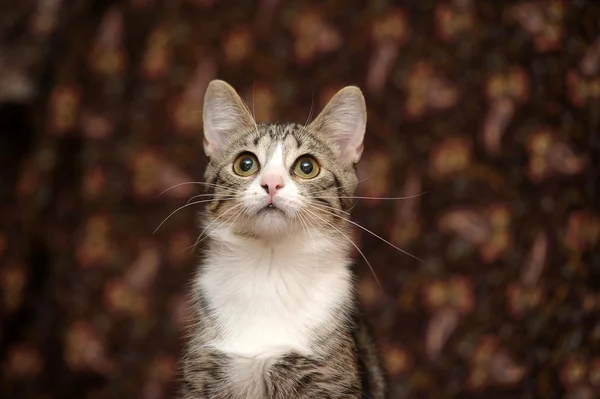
[(299, 377)]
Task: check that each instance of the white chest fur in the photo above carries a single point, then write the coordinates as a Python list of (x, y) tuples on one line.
[(271, 299)]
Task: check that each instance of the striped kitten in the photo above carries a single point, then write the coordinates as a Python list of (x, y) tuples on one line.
[(274, 303)]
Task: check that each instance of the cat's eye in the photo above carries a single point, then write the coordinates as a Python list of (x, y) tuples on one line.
[(306, 167), (245, 165)]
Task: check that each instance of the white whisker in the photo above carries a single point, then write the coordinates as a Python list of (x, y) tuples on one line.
[(375, 235), (199, 240), (312, 108), (351, 242), (319, 204), (307, 222), (180, 208), (381, 198), (230, 196), (197, 182), (342, 186)]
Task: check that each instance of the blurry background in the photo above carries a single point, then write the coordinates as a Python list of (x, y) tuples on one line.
[(491, 107)]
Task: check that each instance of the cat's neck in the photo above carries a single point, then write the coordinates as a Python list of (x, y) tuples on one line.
[(303, 250), (293, 288)]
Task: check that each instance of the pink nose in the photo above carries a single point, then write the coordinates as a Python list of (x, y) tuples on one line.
[(272, 183)]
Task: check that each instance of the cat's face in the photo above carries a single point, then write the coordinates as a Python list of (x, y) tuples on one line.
[(272, 180)]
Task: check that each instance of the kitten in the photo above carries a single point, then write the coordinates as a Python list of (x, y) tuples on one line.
[(274, 303)]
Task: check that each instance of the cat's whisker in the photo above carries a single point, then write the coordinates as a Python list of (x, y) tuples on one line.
[(197, 182), (178, 185), (180, 208), (253, 90), (312, 107), (203, 195), (351, 242), (358, 198), (235, 216), (199, 196), (381, 198), (252, 112), (290, 230), (230, 196), (352, 207), (321, 205), (303, 223), (241, 211), (335, 188), (307, 222), (222, 187), (375, 235), (199, 240)]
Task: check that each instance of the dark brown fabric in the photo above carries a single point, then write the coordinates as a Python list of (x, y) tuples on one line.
[(489, 108)]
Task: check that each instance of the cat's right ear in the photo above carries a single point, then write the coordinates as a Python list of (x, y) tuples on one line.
[(224, 113)]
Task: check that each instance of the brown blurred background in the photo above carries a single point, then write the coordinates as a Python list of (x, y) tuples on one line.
[(490, 107)]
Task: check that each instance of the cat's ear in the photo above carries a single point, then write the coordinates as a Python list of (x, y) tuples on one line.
[(343, 122), (224, 113)]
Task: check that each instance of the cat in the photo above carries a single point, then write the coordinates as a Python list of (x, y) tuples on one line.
[(274, 305)]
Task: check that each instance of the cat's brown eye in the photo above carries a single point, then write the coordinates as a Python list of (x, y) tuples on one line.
[(245, 165), (306, 167)]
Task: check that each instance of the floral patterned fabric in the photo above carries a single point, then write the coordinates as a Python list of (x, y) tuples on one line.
[(485, 113)]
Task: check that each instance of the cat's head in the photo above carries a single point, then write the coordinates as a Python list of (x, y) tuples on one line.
[(270, 180)]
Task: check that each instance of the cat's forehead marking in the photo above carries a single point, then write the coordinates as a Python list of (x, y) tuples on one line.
[(291, 136), (276, 162)]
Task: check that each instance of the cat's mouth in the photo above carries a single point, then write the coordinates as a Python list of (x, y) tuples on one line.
[(270, 208)]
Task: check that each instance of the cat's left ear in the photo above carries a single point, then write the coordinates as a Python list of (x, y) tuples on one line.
[(343, 122), (224, 113)]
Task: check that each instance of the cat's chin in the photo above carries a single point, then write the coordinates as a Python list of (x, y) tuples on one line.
[(271, 222)]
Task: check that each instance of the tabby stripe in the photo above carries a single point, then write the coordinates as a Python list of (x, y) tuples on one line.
[(344, 202), (338, 185), (210, 187), (323, 200), (220, 202), (298, 141), (213, 181)]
